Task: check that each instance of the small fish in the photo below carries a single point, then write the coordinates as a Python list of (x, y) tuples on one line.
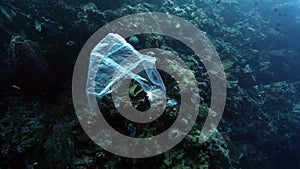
[(132, 129), (38, 25), (16, 87), (172, 102)]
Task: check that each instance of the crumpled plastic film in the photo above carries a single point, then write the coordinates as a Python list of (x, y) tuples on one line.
[(112, 60)]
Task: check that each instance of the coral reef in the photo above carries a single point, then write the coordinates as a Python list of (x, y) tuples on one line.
[(257, 42)]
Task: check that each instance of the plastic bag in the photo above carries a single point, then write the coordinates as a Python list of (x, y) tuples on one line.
[(112, 60)]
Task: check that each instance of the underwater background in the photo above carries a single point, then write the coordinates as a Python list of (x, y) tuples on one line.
[(257, 41)]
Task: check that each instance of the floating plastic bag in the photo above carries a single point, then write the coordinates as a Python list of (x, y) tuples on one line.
[(112, 60)]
